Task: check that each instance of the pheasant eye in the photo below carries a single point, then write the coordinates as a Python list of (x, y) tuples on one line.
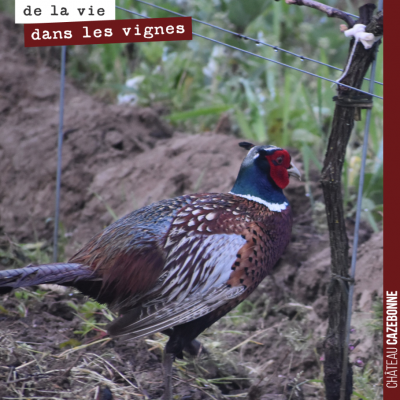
[(279, 160)]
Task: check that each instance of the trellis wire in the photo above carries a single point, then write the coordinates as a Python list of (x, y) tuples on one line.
[(356, 229), (59, 154), (258, 42), (263, 58)]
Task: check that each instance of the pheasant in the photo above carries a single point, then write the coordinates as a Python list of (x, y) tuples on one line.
[(179, 265)]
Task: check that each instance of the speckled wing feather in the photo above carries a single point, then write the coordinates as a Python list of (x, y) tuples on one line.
[(203, 244), (193, 284)]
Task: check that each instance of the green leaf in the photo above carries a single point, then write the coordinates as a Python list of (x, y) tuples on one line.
[(185, 115), (359, 396), (244, 126), (260, 129), (3, 310), (303, 136), (241, 13), (70, 342)]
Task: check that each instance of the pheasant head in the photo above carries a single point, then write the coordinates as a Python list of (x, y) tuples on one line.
[(264, 173)]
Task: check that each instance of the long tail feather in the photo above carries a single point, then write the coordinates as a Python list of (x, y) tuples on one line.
[(47, 273)]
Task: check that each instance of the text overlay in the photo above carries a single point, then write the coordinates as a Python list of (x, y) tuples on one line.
[(99, 32), (46, 11)]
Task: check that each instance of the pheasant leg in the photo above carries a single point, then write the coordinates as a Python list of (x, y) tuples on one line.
[(195, 348), (168, 359)]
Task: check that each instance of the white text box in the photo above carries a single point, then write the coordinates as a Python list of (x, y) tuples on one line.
[(45, 11)]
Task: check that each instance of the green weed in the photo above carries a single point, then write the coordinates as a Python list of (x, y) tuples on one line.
[(367, 383), (89, 313), (376, 323)]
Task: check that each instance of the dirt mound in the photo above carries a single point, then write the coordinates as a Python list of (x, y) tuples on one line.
[(112, 154)]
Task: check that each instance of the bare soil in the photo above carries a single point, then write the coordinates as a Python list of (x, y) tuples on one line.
[(117, 159)]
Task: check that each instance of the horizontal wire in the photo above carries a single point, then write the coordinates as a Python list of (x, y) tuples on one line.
[(263, 58), (258, 42)]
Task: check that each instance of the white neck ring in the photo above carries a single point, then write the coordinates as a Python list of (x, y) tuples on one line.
[(277, 207)]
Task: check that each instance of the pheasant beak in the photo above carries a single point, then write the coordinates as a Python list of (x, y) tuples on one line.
[(293, 171)]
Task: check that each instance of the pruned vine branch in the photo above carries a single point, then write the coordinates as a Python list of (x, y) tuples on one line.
[(328, 10), (337, 369)]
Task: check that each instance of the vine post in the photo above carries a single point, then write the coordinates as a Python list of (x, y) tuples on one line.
[(347, 110)]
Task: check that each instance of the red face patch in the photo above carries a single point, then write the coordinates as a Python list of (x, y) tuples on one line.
[(279, 162)]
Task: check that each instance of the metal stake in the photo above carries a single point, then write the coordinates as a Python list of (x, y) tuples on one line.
[(357, 227), (59, 154)]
